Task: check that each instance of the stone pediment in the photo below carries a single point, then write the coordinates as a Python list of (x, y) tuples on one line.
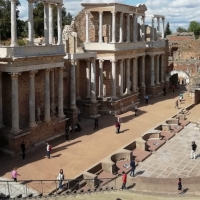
[(142, 6), (54, 1)]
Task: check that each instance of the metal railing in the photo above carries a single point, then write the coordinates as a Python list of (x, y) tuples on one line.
[(26, 188)]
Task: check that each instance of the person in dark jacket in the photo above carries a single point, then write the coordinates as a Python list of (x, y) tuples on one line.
[(180, 190), (132, 164), (194, 147), (96, 123), (23, 148), (164, 91), (117, 126)]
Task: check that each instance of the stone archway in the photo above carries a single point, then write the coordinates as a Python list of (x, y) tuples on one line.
[(183, 77)]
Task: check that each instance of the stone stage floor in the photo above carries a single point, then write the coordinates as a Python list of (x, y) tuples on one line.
[(172, 160)]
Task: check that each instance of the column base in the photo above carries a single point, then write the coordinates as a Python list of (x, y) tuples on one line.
[(14, 45), (61, 115), (94, 101), (142, 91), (32, 125), (15, 130), (88, 97), (114, 98), (47, 120), (30, 44), (73, 107)]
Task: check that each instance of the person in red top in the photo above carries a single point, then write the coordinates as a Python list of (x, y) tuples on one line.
[(173, 88), (124, 178), (117, 125)]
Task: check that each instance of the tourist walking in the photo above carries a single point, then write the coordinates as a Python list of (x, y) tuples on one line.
[(180, 97), (179, 186), (176, 104), (173, 88), (132, 164), (135, 109), (79, 115), (61, 178), (164, 91), (96, 123), (147, 98), (124, 179), (23, 148), (15, 174), (194, 147), (119, 121), (48, 150), (117, 126)]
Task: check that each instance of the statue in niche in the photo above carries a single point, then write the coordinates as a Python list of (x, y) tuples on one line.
[(38, 114), (52, 109)]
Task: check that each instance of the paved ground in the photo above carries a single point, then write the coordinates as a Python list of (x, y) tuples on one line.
[(88, 147)]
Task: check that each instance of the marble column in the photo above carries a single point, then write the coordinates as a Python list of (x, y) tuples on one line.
[(121, 76), (78, 80), (60, 92), (1, 103), (128, 28), (113, 26), (88, 76), (114, 79), (152, 71), (100, 26), (46, 23), (15, 103), (73, 85), (128, 76), (121, 27), (32, 122), (51, 30), (135, 29), (163, 27), (47, 117), (135, 75), (158, 28), (13, 24), (143, 72), (158, 70), (52, 83), (143, 28), (162, 68), (152, 29), (101, 78), (87, 40), (93, 80), (30, 22), (59, 23)]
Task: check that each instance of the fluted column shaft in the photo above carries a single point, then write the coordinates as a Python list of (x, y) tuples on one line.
[(128, 76), (1, 103), (128, 29), (87, 40), (158, 27), (163, 28), (162, 68), (135, 29), (143, 72), (152, 30), (51, 32), (152, 70), (121, 27), (46, 23), (30, 21), (135, 75), (100, 26), (88, 76), (13, 24), (93, 80), (143, 28), (52, 79), (101, 78), (73, 85), (158, 70), (113, 26), (15, 103), (113, 78), (59, 23), (47, 117), (60, 92), (78, 80), (32, 122), (121, 76)]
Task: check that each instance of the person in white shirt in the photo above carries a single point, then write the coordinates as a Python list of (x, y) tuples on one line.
[(119, 121), (61, 178), (48, 150), (135, 109)]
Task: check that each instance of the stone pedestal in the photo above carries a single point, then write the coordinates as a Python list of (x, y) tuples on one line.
[(142, 91), (151, 91)]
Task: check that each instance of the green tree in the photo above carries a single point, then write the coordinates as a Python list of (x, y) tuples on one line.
[(181, 29), (194, 27), (167, 30)]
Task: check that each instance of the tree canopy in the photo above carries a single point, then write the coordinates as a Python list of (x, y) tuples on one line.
[(167, 30), (194, 27), (181, 29)]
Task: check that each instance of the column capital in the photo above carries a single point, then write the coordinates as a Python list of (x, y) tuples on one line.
[(61, 68), (47, 70), (113, 61), (32, 73), (152, 55), (13, 1), (113, 12), (45, 3), (87, 12), (14, 76), (59, 5), (101, 61), (100, 12), (72, 62)]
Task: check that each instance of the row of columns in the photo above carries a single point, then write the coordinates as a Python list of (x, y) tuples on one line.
[(157, 28), (48, 23), (49, 97)]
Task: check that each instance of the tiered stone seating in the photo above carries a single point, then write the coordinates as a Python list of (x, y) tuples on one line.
[(167, 135), (155, 144)]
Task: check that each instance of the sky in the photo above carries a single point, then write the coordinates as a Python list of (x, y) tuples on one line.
[(178, 13)]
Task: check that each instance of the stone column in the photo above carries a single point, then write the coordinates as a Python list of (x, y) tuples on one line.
[(128, 76), (143, 28), (152, 71), (113, 26), (60, 92), (59, 22), (143, 72), (162, 68), (158, 27), (46, 23), (93, 80), (1, 103), (135, 29), (100, 26), (135, 75), (32, 122), (15, 103), (114, 79), (13, 24), (128, 28), (152, 30), (87, 40), (163, 27), (78, 80), (73, 86), (88, 76), (121, 27), (52, 74), (30, 22), (51, 30), (158, 70), (121, 76), (101, 78), (47, 117)]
